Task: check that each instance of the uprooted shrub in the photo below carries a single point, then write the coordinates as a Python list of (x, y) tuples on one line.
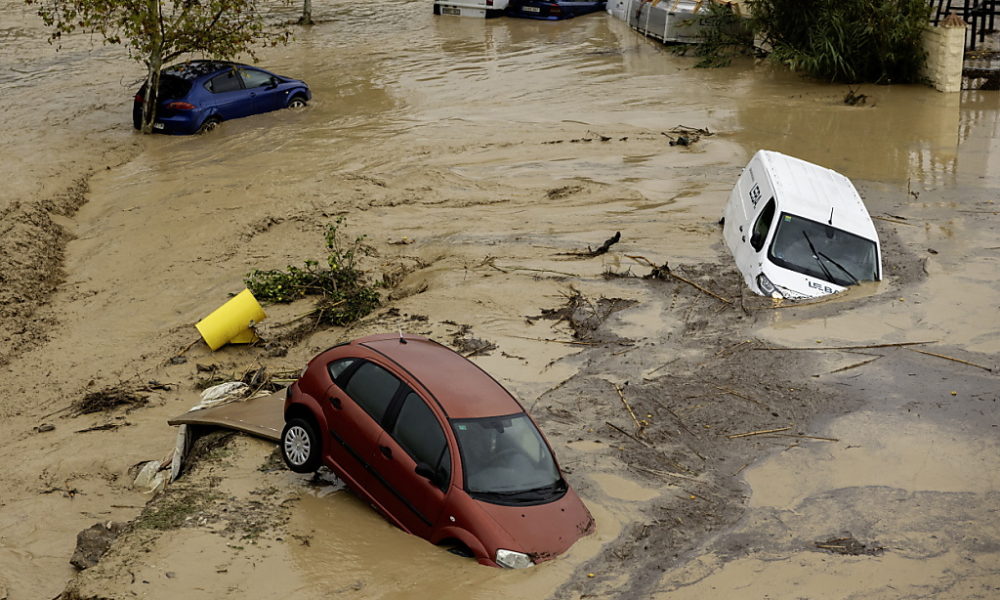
[(344, 290)]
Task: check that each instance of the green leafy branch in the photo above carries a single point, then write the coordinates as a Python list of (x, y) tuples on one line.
[(345, 294)]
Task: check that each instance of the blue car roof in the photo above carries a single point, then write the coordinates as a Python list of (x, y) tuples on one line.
[(197, 68)]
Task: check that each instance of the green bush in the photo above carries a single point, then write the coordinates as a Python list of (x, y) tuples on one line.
[(724, 35), (845, 40), (346, 296)]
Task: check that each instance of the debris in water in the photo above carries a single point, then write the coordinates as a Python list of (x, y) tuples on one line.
[(93, 542), (108, 399), (853, 98), (468, 346), (682, 135), (583, 315), (850, 546), (602, 249)]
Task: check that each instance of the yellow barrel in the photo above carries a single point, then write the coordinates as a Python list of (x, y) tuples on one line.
[(231, 322)]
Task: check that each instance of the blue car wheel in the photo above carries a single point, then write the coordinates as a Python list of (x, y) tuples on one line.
[(209, 124)]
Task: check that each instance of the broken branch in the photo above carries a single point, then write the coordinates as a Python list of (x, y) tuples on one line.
[(661, 271), (893, 221), (602, 249), (570, 342), (638, 426), (865, 347), (738, 395), (854, 366), (953, 359), (760, 432), (625, 433), (806, 437)]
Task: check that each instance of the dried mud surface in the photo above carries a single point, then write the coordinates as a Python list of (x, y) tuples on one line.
[(114, 245)]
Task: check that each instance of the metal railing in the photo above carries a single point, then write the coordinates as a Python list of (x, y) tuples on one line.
[(979, 15)]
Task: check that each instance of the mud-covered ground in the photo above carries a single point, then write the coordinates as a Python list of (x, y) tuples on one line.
[(478, 157)]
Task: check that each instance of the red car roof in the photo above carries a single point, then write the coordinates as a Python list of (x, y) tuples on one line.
[(461, 388)]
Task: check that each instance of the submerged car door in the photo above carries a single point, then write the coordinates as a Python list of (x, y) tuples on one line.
[(414, 437), (228, 97), (357, 409), (263, 89)]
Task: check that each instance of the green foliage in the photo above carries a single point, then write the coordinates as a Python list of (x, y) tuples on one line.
[(345, 294), (845, 40), (724, 35), (157, 32)]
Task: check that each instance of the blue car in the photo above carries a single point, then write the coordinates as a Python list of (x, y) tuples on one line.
[(196, 96), (551, 10)]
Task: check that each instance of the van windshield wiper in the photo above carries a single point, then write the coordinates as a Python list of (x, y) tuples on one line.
[(841, 267), (816, 255)]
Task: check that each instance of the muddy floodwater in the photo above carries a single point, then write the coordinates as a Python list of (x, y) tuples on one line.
[(477, 156)]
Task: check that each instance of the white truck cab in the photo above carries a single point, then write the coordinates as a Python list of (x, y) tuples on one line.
[(470, 8), (798, 230)]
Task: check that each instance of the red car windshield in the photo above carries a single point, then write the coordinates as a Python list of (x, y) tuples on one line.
[(505, 460)]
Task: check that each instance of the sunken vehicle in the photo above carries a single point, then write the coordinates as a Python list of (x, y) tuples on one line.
[(799, 230), (436, 445)]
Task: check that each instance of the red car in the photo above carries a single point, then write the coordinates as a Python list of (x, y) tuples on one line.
[(436, 445)]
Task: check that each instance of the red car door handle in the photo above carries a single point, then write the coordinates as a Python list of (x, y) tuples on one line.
[(386, 451)]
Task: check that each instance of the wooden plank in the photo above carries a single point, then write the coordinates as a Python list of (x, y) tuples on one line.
[(261, 417)]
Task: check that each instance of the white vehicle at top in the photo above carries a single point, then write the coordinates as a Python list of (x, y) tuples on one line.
[(470, 8), (798, 230)]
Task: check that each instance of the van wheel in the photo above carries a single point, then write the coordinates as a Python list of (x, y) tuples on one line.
[(210, 124), (300, 446)]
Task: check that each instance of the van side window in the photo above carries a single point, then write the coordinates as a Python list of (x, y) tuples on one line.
[(762, 226)]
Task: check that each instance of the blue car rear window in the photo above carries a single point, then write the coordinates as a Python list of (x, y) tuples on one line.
[(172, 88)]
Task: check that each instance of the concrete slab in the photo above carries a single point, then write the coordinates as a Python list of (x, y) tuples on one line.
[(261, 417)]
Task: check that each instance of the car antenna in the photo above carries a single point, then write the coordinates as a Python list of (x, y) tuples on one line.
[(402, 340), (830, 222)]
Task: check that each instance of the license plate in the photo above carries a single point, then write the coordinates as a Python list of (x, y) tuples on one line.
[(157, 125), (533, 9), (450, 10)]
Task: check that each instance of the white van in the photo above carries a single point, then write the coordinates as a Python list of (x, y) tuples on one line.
[(470, 8), (798, 230)]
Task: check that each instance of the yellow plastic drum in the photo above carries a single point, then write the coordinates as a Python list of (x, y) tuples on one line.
[(230, 323)]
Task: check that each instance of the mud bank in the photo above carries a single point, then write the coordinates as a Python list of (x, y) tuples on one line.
[(484, 144)]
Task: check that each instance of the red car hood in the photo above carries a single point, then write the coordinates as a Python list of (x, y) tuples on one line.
[(544, 530)]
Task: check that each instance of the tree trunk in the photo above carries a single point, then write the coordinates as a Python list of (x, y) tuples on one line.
[(307, 13), (152, 96), (154, 63)]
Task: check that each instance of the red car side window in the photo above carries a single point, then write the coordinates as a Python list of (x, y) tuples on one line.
[(373, 388), (419, 433), (339, 367)]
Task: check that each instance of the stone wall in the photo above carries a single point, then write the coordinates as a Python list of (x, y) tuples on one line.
[(945, 47)]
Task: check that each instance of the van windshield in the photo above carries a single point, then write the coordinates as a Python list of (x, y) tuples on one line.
[(506, 461), (822, 251)]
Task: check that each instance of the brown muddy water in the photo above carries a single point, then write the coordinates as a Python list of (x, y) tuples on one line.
[(483, 142)]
